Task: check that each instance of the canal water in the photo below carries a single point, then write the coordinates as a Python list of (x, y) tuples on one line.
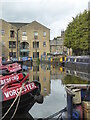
[(52, 89), (53, 80)]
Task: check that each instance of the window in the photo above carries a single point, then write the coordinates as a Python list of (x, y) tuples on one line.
[(35, 68), (12, 34), (12, 44), (44, 33), (44, 44), (35, 54), (24, 45), (35, 77), (44, 53), (12, 54), (24, 33), (2, 32), (35, 44), (23, 54), (35, 35)]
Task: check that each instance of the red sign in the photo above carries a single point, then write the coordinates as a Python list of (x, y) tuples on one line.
[(10, 93), (11, 67), (10, 78)]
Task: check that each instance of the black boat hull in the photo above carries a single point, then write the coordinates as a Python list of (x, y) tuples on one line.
[(26, 102)]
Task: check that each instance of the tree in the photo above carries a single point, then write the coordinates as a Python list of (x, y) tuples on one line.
[(76, 34)]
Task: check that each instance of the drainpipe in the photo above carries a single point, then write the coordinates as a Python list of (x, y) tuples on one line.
[(17, 43)]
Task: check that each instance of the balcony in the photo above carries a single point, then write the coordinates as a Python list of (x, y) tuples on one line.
[(24, 50)]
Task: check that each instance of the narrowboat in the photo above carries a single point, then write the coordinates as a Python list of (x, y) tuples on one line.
[(12, 60), (81, 63), (11, 78), (24, 92), (26, 61), (10, 68)]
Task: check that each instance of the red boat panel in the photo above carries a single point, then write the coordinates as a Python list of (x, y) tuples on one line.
[(12, 92), (11, 67), (14, 68), (10, 78)]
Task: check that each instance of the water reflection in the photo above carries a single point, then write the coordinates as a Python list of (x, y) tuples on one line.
[(41, 74), (44, 73), (53, 79), (76, 77)]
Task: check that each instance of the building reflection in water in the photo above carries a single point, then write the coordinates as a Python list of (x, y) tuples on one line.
[(52, 79), (44, 73), (57, 72), (82, 75), (41, 74)]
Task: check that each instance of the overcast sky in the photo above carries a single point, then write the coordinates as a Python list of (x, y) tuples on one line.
[(54, 14)]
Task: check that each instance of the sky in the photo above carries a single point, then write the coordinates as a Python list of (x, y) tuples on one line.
[(54, 14)]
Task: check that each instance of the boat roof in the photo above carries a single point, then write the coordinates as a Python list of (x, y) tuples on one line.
[(88, 57), (79, 85)]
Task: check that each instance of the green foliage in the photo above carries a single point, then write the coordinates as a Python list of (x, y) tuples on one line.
[(76, 34), (74, 80)]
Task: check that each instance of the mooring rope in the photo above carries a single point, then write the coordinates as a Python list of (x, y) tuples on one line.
[(16, 108), (17, 104), (13, 102)]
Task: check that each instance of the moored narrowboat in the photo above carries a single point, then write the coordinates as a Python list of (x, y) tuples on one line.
[(10, 68), (11, 78), (25, 90), (81, 63)]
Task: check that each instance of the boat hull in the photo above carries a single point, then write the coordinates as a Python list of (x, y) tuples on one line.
[(26, 102)]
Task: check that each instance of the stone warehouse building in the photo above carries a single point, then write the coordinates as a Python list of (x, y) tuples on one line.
[(57, 45), (29, 39)]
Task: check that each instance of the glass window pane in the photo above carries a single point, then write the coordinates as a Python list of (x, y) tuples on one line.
[(24, 33), (44, 33), (2, 32), (35, 33)]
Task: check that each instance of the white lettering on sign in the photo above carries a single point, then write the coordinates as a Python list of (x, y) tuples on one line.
[(15, 69), (9, 79), (6, 94), (14, 92)]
